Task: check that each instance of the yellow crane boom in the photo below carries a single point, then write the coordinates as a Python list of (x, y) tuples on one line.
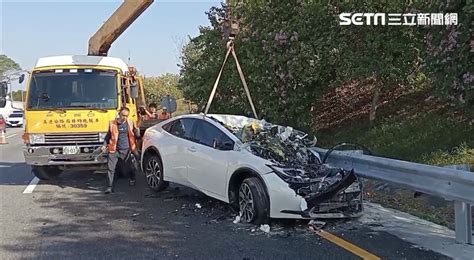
[(121, 19)]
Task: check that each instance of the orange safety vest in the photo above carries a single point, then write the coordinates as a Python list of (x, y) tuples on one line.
[(114, 133)]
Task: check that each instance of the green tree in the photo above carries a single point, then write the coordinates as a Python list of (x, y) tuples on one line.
[(201, 61), (286, 60), (382, 56), (7, 65), (294, 52), (449, 52), (158, 87)]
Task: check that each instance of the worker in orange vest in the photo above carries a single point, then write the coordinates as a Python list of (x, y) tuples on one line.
[(164, 114), (121, 143)]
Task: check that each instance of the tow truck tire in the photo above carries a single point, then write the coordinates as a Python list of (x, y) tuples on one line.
[(46, 172), (153, 170), (253, 198)]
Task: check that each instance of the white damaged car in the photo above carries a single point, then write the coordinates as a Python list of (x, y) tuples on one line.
[(263, 170)]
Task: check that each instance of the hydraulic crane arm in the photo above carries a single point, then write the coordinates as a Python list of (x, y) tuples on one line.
[(126, 14)]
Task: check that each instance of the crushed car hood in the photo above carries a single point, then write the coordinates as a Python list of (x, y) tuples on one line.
[(291, 157)]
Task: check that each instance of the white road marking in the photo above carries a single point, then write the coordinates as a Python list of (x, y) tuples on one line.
[(12, 135), (32, 185)]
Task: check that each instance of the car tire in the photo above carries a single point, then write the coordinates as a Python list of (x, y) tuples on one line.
[(153, 169), (253, 201), (46, 172)]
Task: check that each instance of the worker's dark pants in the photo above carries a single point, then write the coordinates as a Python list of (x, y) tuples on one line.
[(121, 159)]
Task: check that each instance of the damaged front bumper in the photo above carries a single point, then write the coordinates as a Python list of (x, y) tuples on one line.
[(346, 204), (342, 199)]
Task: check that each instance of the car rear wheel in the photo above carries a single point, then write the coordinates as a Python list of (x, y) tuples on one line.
[(253, 201), (46, 172), (154, 173)]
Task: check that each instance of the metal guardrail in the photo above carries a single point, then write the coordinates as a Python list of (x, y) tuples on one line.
[(451, 184)]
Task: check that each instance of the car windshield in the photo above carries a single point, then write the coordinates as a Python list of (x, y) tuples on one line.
[(81, 88)]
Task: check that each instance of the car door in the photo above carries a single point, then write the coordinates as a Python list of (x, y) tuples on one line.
[(207, 165), (174, 149)]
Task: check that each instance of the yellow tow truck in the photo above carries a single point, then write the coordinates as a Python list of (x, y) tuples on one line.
[(71, 99)]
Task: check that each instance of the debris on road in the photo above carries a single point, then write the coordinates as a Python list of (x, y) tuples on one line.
[(317, 224), (265, 228), (237, 219), (198, 205)]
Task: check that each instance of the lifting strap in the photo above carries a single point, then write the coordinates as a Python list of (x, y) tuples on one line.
[(230, 48), (213, 92)]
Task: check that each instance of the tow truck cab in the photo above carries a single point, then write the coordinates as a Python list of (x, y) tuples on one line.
[(70, 102)]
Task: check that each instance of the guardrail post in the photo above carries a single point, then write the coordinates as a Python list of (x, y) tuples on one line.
[(463, 215), (463, 224)]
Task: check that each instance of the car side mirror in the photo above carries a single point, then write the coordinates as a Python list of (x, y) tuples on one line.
[(3, 89), (227, 146), (21, 78), (224, 146), (134, 91)]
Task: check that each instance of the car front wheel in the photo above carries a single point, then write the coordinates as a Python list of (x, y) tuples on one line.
[(154, 173), (253, 201)]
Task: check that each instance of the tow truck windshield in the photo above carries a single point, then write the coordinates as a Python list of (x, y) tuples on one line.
[(75, 88)]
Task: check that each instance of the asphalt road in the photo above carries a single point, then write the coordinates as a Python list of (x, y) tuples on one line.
[(72, 218)]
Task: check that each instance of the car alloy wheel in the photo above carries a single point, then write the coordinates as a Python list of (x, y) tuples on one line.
[(246, 203), (153, 171)]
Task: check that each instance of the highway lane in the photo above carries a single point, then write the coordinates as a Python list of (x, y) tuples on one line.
[(72, 218)]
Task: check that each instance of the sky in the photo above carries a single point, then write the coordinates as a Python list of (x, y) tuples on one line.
[(34, 28)]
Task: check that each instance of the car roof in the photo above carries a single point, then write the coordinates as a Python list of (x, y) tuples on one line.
[(194, 116), (211, 118)]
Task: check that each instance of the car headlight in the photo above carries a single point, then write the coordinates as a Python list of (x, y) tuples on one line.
[(36, 138), (102, 137)]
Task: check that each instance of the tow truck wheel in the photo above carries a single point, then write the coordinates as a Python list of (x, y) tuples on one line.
[(253, 201), (154, 173), (46, 172)]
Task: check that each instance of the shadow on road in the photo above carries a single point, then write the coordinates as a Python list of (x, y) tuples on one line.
[(17, 173), (79, 221)]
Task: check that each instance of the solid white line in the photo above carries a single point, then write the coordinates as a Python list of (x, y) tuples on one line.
[(32, 185), (11, 135)]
